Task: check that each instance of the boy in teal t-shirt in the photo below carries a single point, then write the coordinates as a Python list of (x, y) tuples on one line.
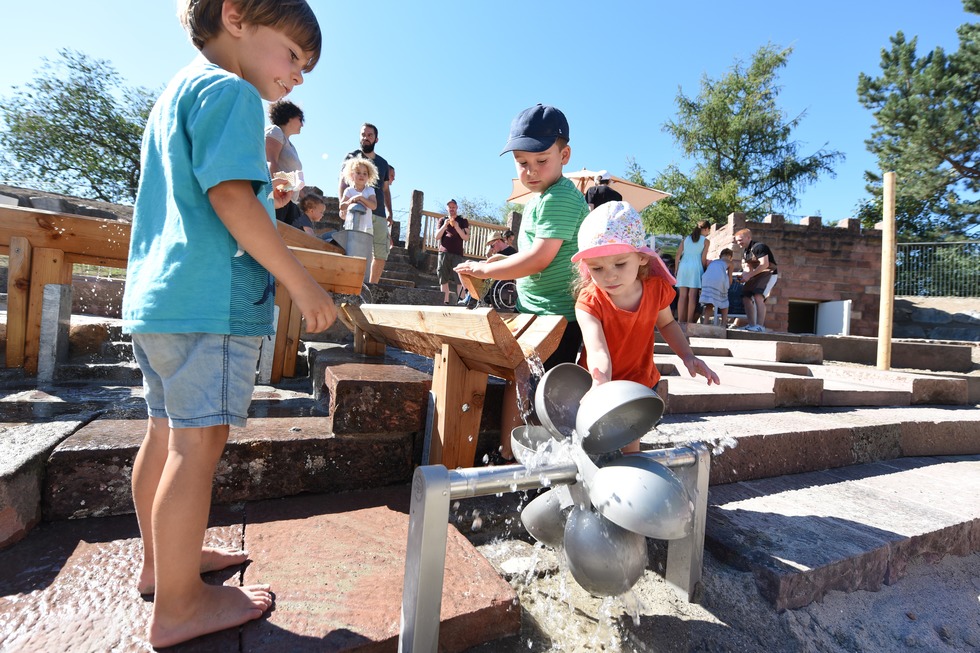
[(199, 295), (543, 265)]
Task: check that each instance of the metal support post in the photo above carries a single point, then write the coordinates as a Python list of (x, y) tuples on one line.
[(425, 560), (685, 556)]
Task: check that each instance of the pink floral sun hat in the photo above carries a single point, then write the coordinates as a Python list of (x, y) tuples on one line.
[(616, 228)]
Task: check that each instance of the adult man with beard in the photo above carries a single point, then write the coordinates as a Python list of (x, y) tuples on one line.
[(382, 222)]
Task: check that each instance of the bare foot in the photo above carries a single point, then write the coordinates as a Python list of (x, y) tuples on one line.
[(215, 608), (212, 559)]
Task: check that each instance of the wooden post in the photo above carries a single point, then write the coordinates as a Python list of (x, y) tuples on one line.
[(285, 304), (460, 394), (18, 297), (413, 238), (886, 306)]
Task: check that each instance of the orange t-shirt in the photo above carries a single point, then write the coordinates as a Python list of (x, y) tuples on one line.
[(629, 334)]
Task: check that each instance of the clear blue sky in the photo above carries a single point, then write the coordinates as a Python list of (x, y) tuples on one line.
[(443, 79)]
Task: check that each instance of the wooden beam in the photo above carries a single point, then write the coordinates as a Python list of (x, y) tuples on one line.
[(285, 304), (71, 234), (18, 297), (292, 341), (334, 272), (294, 237), (460, 395)]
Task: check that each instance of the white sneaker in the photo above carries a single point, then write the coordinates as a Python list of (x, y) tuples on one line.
[(756, 328)]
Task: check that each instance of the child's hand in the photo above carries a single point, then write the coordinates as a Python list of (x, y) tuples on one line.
[(281, 193), (473, 269), (316, 306), (598, 377), (697, 366)]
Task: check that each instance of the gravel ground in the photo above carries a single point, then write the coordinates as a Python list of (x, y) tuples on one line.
[(936, 607)]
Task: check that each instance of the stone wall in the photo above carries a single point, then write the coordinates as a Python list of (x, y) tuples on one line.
[(816, 264), (937, 318)]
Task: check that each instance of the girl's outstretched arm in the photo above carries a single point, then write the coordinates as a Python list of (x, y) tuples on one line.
[(672, 333), (596, 349)]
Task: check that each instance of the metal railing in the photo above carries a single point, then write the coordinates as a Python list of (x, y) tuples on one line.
[(949, 269), (475, 247)]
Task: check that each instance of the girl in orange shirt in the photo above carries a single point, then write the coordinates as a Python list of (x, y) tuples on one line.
[(624, 292)]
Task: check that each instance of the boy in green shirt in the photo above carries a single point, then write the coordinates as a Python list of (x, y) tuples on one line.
[(543, 265)]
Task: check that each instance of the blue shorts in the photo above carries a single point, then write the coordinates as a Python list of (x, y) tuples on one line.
[(197, 379)]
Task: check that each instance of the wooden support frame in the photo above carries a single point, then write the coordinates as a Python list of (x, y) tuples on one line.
[(466, 346), (18, 296), (43, 246)]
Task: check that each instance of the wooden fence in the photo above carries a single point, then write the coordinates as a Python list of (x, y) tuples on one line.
[(475, 247)]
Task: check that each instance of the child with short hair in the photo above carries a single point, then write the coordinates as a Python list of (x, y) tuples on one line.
[(313, 207), (359, 200), (715, 282), (625, 292), (542, 267), (199, 295)]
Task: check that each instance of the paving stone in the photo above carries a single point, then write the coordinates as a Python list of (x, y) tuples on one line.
[(90, 473), (335, 563), (852, 528), (340, 590), (71, 586)]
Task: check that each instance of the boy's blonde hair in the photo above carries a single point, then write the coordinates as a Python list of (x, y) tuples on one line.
[(202, 20), (353, 163)]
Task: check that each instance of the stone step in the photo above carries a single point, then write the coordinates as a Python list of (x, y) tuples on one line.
[(905, 354), (399, 283), (767, 349), (89, 473), (395, 273), (125, 371), (754, 445), (845, 529), (847, 393), (922, 388), (682, 394), (334, 561)]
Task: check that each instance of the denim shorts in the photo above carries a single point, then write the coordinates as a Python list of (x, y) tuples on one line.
[(197, 379)]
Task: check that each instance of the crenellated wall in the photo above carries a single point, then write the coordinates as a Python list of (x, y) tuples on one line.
[(816, 263)]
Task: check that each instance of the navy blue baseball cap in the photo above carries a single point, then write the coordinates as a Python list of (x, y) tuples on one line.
[(536, 129)]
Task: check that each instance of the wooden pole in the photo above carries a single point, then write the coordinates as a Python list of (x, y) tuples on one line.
[(886, 309)]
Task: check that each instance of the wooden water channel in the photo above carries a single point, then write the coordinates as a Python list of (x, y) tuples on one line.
[(42, 247)]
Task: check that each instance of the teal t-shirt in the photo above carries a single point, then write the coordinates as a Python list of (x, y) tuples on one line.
[(556, 213), (186, 274)]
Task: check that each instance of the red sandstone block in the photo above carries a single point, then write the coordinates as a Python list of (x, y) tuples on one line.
[(342, 590)]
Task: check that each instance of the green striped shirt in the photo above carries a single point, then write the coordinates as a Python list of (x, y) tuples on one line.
[(556, 213)]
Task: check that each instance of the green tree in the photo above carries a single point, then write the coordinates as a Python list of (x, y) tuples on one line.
[(741, 143), (927, 129), (480, 209), (76, 126)]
